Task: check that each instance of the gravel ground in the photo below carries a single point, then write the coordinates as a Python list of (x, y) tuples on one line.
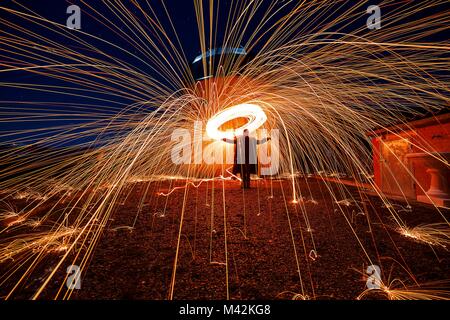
[(319, 247)]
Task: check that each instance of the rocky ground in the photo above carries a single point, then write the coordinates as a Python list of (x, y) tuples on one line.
[(318, 248)]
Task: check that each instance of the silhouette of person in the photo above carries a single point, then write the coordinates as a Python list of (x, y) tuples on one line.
[(245, 161)]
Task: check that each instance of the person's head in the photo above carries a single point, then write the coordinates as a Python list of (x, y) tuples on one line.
[(245, 132)]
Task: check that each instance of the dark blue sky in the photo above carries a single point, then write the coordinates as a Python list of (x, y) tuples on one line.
[(182, 13)]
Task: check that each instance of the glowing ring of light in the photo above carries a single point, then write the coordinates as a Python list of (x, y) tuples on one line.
[(255, 115)]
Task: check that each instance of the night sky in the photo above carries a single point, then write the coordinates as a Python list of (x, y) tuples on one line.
[(183, 17)]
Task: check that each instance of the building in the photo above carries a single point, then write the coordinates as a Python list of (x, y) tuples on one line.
[(411, 160)]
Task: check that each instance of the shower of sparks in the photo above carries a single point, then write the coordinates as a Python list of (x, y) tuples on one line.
[(255, 115), (323, 88), (436, 234)]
